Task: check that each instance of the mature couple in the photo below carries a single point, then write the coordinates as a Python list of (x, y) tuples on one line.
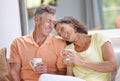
[(92, 60)]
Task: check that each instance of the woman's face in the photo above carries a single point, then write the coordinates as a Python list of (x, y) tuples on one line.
[(66, 31)]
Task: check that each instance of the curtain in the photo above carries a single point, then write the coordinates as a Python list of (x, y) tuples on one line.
[(94, 14)]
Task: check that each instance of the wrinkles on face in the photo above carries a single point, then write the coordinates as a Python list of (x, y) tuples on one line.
[(48, 22), (62, 31)]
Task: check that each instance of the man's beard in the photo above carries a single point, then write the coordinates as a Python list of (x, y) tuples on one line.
[(47, 32)]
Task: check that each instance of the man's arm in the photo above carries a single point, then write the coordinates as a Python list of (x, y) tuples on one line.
[(62, 71), (14, 71)]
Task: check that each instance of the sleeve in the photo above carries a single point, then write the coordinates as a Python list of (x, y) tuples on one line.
[(14, 53), (59, 45), (102, 39)]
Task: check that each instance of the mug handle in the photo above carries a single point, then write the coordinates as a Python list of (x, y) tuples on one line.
[(31, 64)]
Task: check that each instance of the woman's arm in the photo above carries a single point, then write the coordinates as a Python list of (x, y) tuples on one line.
[(69, 70), (67, 61), (108, 65)]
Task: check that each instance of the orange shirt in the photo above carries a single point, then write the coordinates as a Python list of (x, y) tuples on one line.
[(23, 49)]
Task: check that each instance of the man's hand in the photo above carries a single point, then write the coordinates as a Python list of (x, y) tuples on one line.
[(15, 71), (41, 68)]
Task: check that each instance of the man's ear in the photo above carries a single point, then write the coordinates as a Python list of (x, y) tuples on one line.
[(36, 18)]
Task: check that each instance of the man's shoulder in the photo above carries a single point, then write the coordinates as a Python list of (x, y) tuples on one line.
[(57, 41), (22, 38), (57, 38)]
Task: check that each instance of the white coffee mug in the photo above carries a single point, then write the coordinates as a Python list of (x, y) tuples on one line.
[(34, 62)]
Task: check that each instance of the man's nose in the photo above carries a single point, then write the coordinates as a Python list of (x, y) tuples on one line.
[(52, 24)]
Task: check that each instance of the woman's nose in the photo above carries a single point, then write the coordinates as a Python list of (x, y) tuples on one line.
[(62, 34)]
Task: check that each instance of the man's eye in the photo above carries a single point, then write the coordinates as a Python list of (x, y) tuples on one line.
[(50, 21), (54, 22)]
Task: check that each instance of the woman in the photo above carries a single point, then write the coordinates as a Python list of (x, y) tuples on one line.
[(93, 59)]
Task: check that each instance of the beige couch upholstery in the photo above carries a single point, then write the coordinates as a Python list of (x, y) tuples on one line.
[(4, 69)]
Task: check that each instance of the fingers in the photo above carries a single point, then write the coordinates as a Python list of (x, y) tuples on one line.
[(41, 68), (67, 53), (68, 56), (67, 61)]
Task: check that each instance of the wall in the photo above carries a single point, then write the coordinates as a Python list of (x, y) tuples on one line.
[(67, 8), (70, 8), (10, 27)]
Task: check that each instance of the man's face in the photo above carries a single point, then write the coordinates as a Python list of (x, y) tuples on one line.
[(47, 23)]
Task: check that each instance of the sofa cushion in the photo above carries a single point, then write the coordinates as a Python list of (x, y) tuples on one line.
[(4, 71)]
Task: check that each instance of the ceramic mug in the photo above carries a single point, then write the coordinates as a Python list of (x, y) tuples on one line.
[(34, 62)]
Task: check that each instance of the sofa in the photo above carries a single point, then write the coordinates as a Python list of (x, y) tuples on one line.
[(116, 47), (4, 69), (4, 66)]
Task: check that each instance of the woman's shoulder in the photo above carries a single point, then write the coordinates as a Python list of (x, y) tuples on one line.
[(97, 35), (100, 38)]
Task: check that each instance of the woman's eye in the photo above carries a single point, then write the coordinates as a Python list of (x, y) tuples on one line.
[(62, 29)]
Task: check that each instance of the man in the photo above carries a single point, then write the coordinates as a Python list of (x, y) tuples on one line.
[(39, 44)]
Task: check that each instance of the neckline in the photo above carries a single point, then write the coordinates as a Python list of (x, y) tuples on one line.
[(88, 46)]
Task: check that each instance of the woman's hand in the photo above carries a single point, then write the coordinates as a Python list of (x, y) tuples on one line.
[(69, 57), (66, 58)]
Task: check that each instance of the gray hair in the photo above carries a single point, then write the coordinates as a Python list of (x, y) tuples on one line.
[(45, 8)]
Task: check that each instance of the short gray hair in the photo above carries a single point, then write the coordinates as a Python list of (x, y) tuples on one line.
[(45, 8)]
